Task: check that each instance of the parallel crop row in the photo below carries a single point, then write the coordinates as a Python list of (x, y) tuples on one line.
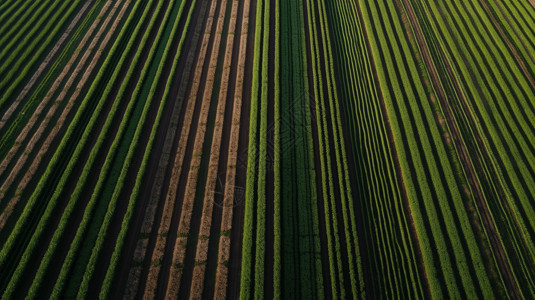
[(379, 191), (497, 121), (25, 41), (124, 130), (426, 164)]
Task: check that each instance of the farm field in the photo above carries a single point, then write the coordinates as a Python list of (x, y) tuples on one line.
[(267, 149)]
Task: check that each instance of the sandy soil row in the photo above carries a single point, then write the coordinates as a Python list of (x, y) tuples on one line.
[(228, 198), (42, 105), (211, 181), (165, 222), (135, 274), (179, 253), (44, 65), (37, 159)]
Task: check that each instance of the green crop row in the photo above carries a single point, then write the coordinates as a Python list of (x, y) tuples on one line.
[(260, 247), (312, 285), (378, 186), (58, 234), (12, 8), (27, 24), (298, 194), (109, 186), (492, 123), (426, 190), (456, 222), (22, 67), (91, 211), (277, 230), (289, 253), (12, 240), (487, 178), (250, 191), (341, 162), (323, 137), (44, 179), (11, 17), (19, 120), (135, 193)]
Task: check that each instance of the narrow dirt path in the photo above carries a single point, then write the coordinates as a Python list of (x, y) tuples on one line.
[(397, 164), (230, 177), (511, 47), (40, 109), (165, 222), (522, 41), (37, 159), (179, 253), (479, 197), (44, 65), (153, 207), (209, 197)]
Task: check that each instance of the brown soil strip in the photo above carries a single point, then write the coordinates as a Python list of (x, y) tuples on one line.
[(44, 65), (240, 179), (179, 252), (211, 181), (111, 237), (161, 240), (46, 145), (397, 164), (465, 159), (532, 2), (134, 278), (511, 47), (40, 109), (522, 41), (230, 178)]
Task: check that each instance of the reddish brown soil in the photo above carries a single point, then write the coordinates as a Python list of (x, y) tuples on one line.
[(397, 165), (40, 109), (147, 217), (509, 43), (479, 197)]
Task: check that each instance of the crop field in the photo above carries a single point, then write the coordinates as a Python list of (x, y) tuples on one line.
[(212, 149)]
